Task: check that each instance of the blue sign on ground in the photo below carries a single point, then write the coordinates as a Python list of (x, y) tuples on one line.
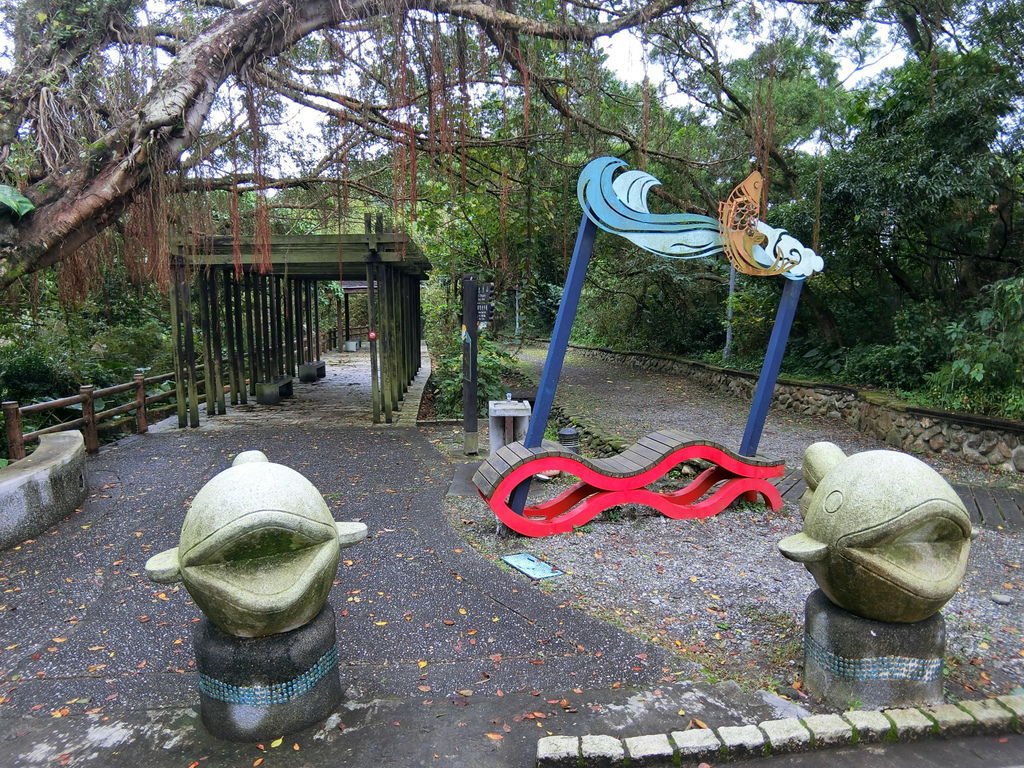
[(531, 566)]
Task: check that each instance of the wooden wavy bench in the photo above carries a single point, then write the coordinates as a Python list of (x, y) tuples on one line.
[(622, 479)]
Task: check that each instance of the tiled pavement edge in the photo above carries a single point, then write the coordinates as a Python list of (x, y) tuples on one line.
[(996, 716)]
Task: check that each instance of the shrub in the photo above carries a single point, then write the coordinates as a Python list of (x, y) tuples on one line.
[(493, 366)]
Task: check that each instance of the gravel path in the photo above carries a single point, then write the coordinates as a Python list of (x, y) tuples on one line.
[(716, 592)]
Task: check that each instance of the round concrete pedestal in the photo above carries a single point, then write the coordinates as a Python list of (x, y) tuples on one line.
[(850, 662), (265, 687)]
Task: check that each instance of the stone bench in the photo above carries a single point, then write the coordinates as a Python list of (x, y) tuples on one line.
[(271, 392), (311, 371), (623, 479)]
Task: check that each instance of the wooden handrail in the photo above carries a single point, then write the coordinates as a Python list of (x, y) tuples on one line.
[(90, 418)]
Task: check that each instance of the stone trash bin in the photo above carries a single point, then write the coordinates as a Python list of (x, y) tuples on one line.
[(258, 553), (887, 540)]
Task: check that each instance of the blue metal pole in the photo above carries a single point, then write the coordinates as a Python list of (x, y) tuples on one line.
[(770, 369), (556, 349)]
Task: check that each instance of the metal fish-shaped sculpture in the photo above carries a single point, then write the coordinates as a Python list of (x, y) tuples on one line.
[(618, 204)]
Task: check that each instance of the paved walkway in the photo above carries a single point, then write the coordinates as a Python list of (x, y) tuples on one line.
[(440, 648), (447, 659)]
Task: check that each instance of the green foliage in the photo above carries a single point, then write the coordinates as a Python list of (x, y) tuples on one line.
[(14, 201), (986, 366), (494, 366), (30, 373)]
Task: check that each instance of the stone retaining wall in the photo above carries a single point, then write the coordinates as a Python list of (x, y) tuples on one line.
[(42, 489), (997, 443)]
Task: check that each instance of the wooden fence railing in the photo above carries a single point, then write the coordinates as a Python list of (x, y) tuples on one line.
[(90, 419)]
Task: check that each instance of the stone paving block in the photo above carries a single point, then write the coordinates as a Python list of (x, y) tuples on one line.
[(829, 730), (558, 751), (1016, 705), (786, 735), (696, 744), (602, 751), (991, 717), (951, 720), (650, 750), (910, 724), (869, 725), (742, 740)]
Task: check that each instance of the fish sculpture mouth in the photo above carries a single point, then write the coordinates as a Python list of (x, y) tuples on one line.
[(264, 562), (922, 551)]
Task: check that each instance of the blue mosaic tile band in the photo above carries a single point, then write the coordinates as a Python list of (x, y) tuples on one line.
[(873, 668), (264, 695)]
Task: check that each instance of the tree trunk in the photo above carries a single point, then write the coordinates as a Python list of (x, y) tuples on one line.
[(73, 207)]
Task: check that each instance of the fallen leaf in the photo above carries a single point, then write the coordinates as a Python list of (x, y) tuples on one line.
[(424, 688), (421, 663), (257, 762), (495, 736)]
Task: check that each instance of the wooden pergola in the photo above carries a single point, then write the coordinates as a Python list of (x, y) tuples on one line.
[(261, 327)]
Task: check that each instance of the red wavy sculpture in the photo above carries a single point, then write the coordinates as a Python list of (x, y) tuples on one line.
[(711, 491)]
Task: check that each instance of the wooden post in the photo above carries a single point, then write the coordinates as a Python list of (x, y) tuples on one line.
[(470, 437), (12, 424), (216, 342), (307, 301), (141, 423), (275, 326), (300, 325), (407, 333), (236, 290), (257, 327), (371, 319), (190, 353), (265, 324), (92, 440), (289, 330), (205, 329), (178, 349), (250, 336), (229, 327), (340, 324), (398, 387), (316, 318), (348, 320), (384, 336)]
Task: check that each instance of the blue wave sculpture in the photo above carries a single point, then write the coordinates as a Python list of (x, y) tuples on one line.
[(620, 207), (618, 204)]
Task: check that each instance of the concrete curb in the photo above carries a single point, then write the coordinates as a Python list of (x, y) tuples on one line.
[(684, 748), (42, 489)]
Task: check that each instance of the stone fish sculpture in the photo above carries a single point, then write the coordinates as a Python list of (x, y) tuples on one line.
[(258, 549), (885, 536)]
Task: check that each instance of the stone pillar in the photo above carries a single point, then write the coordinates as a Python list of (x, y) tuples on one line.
[(253, 689), (852, 662)]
